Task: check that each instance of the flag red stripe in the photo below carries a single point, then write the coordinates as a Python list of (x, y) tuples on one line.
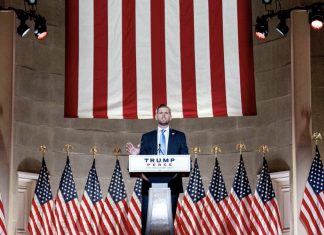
[(260, 215), (122, 211), (187, 49), (62, 216), (134, 210), (311, 217), (36, 229), (244, 19), (38, 216), (84, 217), (100, 57), (71, 59), (306, 223), (187, 225), (158, 54), (195, 216), (211, 216), (315, 209), (234, 217), (273, 217), (217, 58), (48, 217), (215, 214), (106, 218), (111, 212), (129, 59)]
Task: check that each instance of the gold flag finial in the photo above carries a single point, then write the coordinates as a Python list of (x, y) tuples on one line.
[(263, 149), (195, 150), (43, 150), (117, 151), (216, 150), (67, 149), (241, 147), (94, 151), (316, 137)]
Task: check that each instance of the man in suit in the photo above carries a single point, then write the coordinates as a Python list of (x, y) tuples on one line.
[(161, 141)]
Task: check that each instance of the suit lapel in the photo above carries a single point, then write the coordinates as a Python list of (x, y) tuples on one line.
[(154, 142), (170, 141)]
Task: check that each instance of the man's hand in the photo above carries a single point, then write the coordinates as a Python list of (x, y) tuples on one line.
[(131, 149)]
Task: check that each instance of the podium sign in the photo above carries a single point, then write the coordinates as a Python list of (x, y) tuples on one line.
[(159, 163)]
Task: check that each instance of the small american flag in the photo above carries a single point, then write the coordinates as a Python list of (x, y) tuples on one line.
[(312, 208), (41, 217), (91, 204), (240, 201), (216, 204), (3, 229), (265, 217), (67, 204), (192, 205), (135, 209), (114, 216)]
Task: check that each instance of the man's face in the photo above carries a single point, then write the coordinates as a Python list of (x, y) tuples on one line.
[(163, 116)]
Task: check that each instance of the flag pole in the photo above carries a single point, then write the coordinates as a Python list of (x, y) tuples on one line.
[(316, 137), (216, 150), (67, 148), (117, 152), (43, 150), (196, 150), (263, 149), (241, 147), (94, 151)]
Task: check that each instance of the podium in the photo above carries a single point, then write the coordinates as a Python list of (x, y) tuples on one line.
[(159, 212)]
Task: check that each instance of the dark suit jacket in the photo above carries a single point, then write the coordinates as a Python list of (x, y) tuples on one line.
[(177, 144)]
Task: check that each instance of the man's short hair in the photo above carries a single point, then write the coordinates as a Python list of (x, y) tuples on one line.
[(163, 106)]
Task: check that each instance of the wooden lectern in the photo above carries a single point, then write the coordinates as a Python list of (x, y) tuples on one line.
[(159, 214)]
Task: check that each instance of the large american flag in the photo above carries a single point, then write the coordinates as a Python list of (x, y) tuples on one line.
[(265, 217), (91, 204), (125, 57), (41, 216), (191, 212), (134, 217), (66, 204), (3, 230), (240, 201), (216, 204), (312, 208), (114, 215)]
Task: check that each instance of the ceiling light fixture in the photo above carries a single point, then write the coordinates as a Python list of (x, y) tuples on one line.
[(282, 27), (316, 16), (261, 28)]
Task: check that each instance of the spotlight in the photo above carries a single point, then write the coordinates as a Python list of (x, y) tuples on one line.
[(266, 1), (261, 28), (40, 29), (282, 27), (23, 28), (31, 2), (316, 18)]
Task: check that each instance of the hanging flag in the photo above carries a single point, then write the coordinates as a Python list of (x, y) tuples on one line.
[(240, 201), (3, 229), (134, 217), (216, 204), (125, 57), (114, 215), (265, 217), (91, 204), (41, 216), (312, 207), (192, 205), (67, 204)]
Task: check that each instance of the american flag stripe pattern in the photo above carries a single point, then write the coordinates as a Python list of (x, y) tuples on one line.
[(134, 216), (41, 218), (265, 217), (216, 204), (66, 204), (114, 216), (125, 57), (3, 229), (178, 219), (91, 204), (193, 203), (312, 207), (240, 201)]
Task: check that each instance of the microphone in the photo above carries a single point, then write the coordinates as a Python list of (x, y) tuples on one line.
[(159, 149)]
